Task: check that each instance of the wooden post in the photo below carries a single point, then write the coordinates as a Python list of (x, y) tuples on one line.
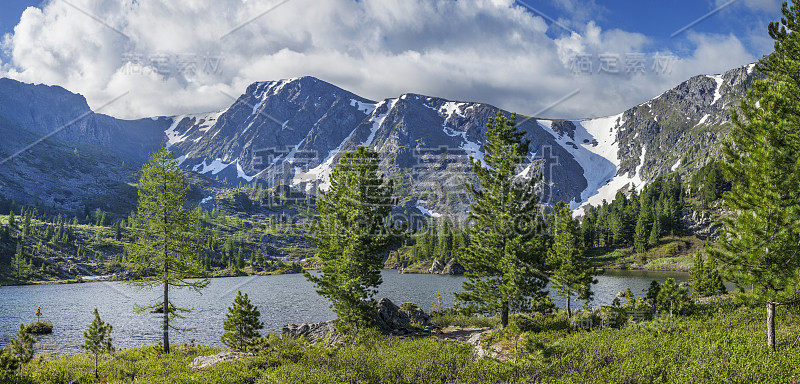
[(771, 325)]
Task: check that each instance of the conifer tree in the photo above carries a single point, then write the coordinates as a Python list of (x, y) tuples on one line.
[(760, 244), (19, 265), (97, 340), (21, 346), (163, 247), (506, 254), (241, 323), (571, 272), (352, 235)]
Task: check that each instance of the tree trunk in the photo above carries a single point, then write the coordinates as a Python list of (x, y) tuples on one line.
[(504, 315), (166, 318), (771, 325), (569, 311), (166, 272)]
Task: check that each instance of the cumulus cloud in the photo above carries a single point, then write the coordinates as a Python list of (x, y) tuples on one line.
[(184, 56)]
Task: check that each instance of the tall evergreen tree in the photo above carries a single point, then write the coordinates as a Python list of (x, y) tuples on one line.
[(760, 244), (163, 247), (352, 235), (506, 254), (572, 275), (241, 323), (97, 340)]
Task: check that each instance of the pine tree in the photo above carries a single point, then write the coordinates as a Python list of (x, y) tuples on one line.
[(21, 347), (651, 296), (571, 272), (164, 248), (352, 234), (97, 340), (760, 244), (673, 297), (241, 323), (506, 255)]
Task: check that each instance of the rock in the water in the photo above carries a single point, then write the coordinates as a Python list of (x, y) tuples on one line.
[(201, 362), (436, 267), (310, 331), (453, 268)]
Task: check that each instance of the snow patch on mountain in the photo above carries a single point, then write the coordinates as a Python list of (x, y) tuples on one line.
[(367, 108), (378, 121), (718, 79), (425, 211), (595, 149), (323, 171), (174, 137)]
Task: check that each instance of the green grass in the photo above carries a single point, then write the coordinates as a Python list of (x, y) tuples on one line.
[(673, 253), (719, 342)]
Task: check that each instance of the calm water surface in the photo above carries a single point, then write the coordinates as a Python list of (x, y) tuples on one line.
[(281, 300)]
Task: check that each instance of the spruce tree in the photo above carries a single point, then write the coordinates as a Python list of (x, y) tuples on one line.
[(506, 254), (760, 243), (163, 251), (241, 323), (572, 275), (97, 340), (352, 234)]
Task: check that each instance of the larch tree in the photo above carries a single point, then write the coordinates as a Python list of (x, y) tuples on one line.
[(352, 235), (506, 255), (571, 274), (163, 251), (760, 244)]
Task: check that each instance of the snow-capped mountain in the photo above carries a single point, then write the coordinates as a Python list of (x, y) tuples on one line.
[(292, 132)]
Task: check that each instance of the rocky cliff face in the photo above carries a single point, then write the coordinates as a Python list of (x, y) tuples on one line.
[(292, 132)]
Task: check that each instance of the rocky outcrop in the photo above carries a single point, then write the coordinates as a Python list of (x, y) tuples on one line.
[(436, 266), (310, 331), (451, 268), (392, 318), (701, 223), (201, 362)]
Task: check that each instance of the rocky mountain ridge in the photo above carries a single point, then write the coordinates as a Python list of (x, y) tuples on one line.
[(292, 132)]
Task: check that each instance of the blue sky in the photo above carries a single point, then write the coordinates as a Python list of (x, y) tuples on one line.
[(519, 55)]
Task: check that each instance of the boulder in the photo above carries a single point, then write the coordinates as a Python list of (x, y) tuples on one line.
[(310, 331), (390, 317)]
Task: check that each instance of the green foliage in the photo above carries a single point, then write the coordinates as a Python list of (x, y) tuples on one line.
[(506, 254), (39, 327), (352, 234), (708, 184), (760, 243), (241, 323), (21, 347), (705, 278), (97, 340), (572, 275), (638, 220), (673, 298), (164, 248)]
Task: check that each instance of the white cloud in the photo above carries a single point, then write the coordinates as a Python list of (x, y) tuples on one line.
[(480, 50)]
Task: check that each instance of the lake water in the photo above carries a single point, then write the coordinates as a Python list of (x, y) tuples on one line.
[(281, 299)]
